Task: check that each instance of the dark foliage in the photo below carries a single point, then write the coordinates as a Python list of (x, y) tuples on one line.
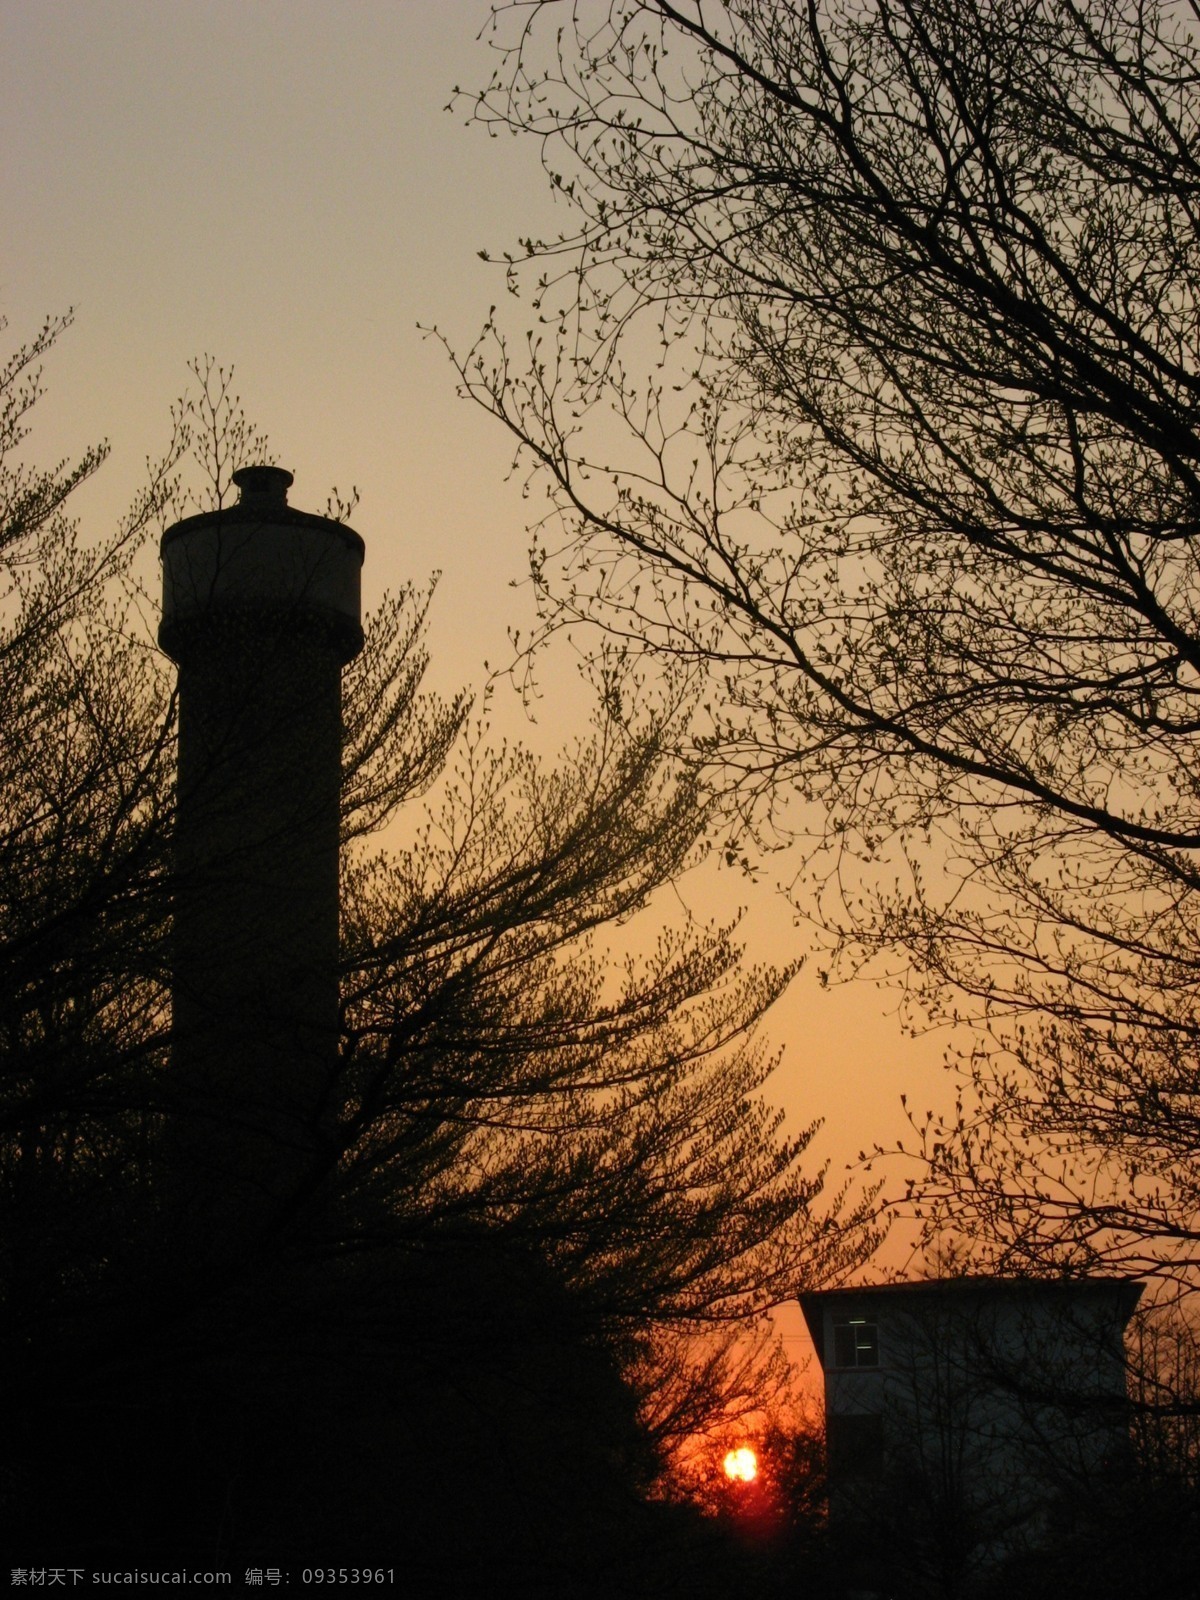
[(534, 1168)]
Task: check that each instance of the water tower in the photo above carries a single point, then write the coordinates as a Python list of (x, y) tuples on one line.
[(261, 611)]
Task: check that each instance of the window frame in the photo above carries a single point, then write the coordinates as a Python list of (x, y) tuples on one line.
[(858, 1338)]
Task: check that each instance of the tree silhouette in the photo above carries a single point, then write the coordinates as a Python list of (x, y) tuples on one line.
[(862, 382), (537, 1165)]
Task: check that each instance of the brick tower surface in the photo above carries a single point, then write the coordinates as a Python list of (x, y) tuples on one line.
[(261, 611)]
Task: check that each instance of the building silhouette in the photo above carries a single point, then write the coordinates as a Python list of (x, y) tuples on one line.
[(261, 611), (963, 1413)]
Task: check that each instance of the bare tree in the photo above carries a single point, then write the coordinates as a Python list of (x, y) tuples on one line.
[(862, 381), (85, 802), (1165, 1395)]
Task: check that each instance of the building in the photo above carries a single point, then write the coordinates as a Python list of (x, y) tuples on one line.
[(962, 1412), (261, 612)]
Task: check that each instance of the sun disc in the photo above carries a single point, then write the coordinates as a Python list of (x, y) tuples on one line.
[(741, 1465)]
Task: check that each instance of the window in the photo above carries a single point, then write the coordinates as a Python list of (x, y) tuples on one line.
[(855, 1343)]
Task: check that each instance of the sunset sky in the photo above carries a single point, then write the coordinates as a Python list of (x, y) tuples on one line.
[(277, 183)]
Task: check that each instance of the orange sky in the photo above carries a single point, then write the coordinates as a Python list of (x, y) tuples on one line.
[(278, 184)]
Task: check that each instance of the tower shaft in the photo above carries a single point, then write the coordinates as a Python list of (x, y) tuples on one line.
[(261, 612)]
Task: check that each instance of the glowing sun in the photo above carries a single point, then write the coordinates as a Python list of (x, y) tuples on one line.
[(741, 1465)]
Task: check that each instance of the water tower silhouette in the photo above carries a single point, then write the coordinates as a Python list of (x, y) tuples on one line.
[(261, 611)]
